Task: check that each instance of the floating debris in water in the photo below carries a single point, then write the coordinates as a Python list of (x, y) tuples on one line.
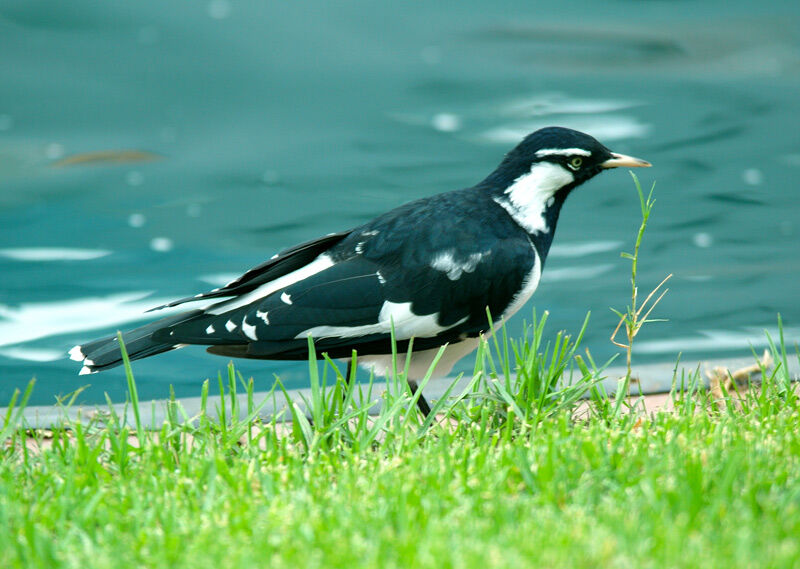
[(106, 157)]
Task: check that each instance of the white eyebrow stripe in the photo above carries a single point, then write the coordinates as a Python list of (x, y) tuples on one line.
[(562, 152)]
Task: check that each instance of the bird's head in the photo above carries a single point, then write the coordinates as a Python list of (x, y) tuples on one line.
[(534, 179), (564, 158)]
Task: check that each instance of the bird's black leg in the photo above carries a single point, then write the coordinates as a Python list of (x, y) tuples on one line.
[(424, 408), (349, 371)]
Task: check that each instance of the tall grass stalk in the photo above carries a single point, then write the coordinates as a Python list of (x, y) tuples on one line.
[(636, 315), (132, 391)]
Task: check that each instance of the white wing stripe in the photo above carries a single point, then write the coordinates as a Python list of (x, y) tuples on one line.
[(316, 266), (406, 325)]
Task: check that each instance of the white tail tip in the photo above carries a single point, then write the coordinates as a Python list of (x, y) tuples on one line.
[(76, 354)]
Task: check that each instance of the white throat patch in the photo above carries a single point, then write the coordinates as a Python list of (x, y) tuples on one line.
[(528, 197)]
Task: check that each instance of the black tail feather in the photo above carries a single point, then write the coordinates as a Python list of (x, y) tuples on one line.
[(105, 353)]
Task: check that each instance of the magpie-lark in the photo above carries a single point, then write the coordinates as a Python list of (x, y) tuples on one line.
[(430, 268)]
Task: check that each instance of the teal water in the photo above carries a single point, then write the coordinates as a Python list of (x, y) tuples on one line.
[(258, 125)]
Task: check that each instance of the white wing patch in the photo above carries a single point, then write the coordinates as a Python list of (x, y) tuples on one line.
[(526, 199), (446, 262), (210, 329), (286, 297), (406, 325), (263, 315), (316, 266), (249, 331), (230, 325)]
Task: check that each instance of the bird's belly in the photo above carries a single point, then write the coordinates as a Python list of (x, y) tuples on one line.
[(420, 361)]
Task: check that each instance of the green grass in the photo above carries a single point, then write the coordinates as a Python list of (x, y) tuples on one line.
[(512, 478)]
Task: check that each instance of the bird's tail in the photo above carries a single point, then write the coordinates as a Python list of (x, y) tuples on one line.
[(105, 353)]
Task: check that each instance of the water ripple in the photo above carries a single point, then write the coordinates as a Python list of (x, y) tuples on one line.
[(39, 254), (36, 320)]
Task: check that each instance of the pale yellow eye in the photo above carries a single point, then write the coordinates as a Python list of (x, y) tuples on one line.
[(575, 162)]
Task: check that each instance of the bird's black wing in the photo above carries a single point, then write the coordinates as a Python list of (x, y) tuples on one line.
[(431, 276), (281, 264)]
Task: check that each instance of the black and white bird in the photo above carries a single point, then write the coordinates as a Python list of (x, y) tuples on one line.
[(430, 268)]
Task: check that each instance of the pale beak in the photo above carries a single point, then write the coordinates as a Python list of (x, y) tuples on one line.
[(621, 160)]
